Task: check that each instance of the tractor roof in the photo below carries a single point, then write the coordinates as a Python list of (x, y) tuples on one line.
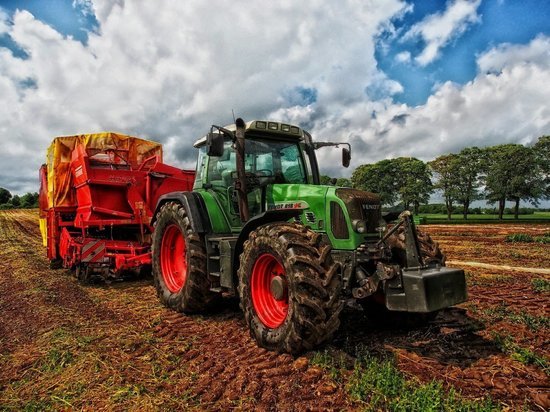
[(265, 128)]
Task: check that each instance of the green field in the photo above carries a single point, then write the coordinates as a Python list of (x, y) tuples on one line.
[(537, 217)]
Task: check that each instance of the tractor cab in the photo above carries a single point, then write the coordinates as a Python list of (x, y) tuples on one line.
[(274, 154)]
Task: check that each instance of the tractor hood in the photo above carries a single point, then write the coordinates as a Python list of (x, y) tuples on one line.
[(331, 210)]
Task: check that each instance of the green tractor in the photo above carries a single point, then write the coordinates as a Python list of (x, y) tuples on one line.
[(258, 225)]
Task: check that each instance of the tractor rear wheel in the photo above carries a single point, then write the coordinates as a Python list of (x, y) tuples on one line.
[(179, 261), (290, 288)]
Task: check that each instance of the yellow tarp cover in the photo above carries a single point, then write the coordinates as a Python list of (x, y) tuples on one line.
[(59, 159)]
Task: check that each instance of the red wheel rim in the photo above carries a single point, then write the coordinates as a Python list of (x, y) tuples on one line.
[(272, 312), (172, 258)]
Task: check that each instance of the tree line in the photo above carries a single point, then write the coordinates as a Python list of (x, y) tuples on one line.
[(26, 201), (497, 174)]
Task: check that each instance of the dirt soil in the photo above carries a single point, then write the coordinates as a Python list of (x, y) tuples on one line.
[(114, 347)]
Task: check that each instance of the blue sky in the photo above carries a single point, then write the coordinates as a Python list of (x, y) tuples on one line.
[(393, 77), (501, 21), (506, 21), (67, 17)]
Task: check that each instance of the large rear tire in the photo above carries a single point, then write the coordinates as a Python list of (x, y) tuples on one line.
[(290, 288), (179, 262)]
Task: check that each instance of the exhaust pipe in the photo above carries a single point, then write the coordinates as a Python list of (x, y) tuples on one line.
[(240, 184)]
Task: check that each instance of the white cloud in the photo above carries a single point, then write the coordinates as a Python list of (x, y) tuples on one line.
[(438, 29), (494, 108), (536, 52), (170, 77), (403, 57), (85, 7), (167, 69)]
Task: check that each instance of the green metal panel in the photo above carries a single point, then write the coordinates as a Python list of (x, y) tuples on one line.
[(316, 213), (314, 200), (218, 218)]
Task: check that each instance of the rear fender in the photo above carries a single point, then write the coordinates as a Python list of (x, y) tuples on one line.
[(194, 203)]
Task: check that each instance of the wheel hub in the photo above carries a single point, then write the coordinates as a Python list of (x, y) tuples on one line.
[(269, 291), (278, 288)]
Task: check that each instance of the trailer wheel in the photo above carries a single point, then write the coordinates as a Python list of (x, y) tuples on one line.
[(290, 288), (179, 262), (83, 274)]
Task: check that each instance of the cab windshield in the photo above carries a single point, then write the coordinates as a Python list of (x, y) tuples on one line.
[(278, 161)]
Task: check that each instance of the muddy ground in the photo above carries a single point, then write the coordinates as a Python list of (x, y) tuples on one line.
[(112, 346)]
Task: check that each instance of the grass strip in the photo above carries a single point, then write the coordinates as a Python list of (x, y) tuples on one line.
[(379, 385)]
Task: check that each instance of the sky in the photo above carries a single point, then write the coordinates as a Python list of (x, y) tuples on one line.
[(392, 77)]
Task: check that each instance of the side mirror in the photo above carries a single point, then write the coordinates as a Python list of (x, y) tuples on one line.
[(214, 144), (346, 157)]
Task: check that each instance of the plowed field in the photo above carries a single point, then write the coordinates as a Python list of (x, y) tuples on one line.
[(113, 347)]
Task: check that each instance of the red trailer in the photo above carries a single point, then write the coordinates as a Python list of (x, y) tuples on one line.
[(98, 194)]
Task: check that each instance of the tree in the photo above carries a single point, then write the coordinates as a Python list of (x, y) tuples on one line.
[(326, 180), (378, 178), (5, 195), (528, 181), (343, 182), (513, 174), (542, 156), (403, 179), (15, 201), (414, 182), (29, 200), (446, 170), (470, 166)]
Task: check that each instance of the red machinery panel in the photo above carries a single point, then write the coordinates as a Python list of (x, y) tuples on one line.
[(97, 200)]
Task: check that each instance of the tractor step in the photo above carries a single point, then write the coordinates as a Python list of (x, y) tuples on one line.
[(220, 263)]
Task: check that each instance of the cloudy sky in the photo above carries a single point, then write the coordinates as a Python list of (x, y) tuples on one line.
[(394, 78)]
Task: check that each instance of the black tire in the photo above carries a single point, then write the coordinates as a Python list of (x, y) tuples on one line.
[(313, 287), (194, 295), (83, 274)]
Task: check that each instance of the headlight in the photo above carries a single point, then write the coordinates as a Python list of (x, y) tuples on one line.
[(360, 226)]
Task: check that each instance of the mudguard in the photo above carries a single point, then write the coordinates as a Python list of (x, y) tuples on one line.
[(194, 203), (268, 216)]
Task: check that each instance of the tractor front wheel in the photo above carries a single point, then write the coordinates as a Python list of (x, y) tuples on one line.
[(179, 262), (290, 288), (429, 248)]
